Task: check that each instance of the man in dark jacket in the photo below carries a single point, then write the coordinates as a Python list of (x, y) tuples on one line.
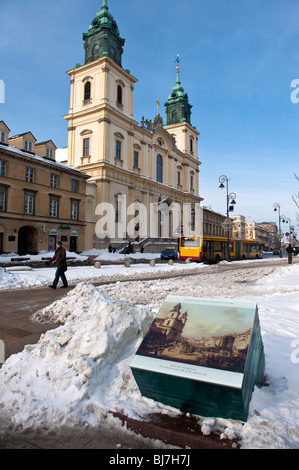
[(60, 262)]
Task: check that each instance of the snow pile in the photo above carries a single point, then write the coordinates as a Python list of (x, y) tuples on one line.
[(80, 371)]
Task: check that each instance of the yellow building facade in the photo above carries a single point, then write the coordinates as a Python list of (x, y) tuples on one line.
[(129, 163), (41, 201)]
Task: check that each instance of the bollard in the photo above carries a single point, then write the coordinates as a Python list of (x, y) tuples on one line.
[(187, 261), (170, 262), (152, 262), (97, 265), (127, 263)]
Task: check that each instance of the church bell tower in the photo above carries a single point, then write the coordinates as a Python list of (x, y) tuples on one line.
[(103, 38)]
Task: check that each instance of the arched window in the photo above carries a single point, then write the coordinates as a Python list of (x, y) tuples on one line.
[(119, 94), (87, 91), (159, 169)]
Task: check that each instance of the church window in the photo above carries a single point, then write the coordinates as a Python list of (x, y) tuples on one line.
[(159, 169), (86, 146), (119, 94), (191, 145), (118, 150), (135, 159), (87, 91)]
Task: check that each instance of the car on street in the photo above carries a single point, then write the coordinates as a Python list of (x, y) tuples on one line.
[(169, 253)]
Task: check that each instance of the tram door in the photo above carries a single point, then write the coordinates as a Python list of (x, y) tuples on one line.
[(238, 248), (210, 251)]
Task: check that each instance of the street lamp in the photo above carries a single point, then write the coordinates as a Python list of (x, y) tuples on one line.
[(230, 202), (277, 208)]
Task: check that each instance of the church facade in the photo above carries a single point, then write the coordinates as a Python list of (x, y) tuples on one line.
[(130, 164)]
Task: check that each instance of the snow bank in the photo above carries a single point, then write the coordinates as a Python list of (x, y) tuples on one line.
[(80, 371)]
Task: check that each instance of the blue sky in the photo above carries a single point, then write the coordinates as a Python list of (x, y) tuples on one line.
[(238, 59)]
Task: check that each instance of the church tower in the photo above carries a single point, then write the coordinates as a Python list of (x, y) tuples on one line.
[(102, 38), (131, 166), (101, 94), (178, 109), (178, 118)]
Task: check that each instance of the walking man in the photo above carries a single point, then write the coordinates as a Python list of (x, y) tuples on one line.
[(290, 253), (60, 262)]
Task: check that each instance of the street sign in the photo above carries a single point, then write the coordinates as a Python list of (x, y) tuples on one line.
[(287, 234)]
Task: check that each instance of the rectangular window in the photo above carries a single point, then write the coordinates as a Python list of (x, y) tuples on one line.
[(53, 208), (54, 181), (2, 201), (29, 175), (2, 168), (74, 210), (28, 146), (49, 154), (191, 182), (135, 159), (179, 178), (118, 150), (159, 169), (75, 185), (86, 145), (2, 137), (29, 204)]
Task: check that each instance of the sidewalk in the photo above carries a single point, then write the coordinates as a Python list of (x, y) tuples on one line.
[(16, 307)]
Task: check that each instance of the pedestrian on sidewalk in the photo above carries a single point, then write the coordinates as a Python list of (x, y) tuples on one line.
[(290, 252), (60, 262)]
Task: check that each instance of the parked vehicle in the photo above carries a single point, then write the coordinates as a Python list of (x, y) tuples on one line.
[(169, 253)]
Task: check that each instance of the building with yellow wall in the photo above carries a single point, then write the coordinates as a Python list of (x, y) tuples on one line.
[(41, 201), (139, 163)]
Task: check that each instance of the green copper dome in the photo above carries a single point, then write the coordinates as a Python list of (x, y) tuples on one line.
[(178, 109), (103, 37)]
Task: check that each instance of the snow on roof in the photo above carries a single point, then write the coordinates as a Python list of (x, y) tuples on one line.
[(40, 159)]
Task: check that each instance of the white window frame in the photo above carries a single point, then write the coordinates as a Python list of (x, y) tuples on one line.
[(74, 210), (49, 154), (30, 174), (53, 208), (29, 204), (54, 181), (28, 146)]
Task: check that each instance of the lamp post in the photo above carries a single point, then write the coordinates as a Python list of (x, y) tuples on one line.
[(277, 208), (230, 202)]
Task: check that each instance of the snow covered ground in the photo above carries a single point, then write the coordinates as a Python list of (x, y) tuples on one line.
[(80, 371)]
